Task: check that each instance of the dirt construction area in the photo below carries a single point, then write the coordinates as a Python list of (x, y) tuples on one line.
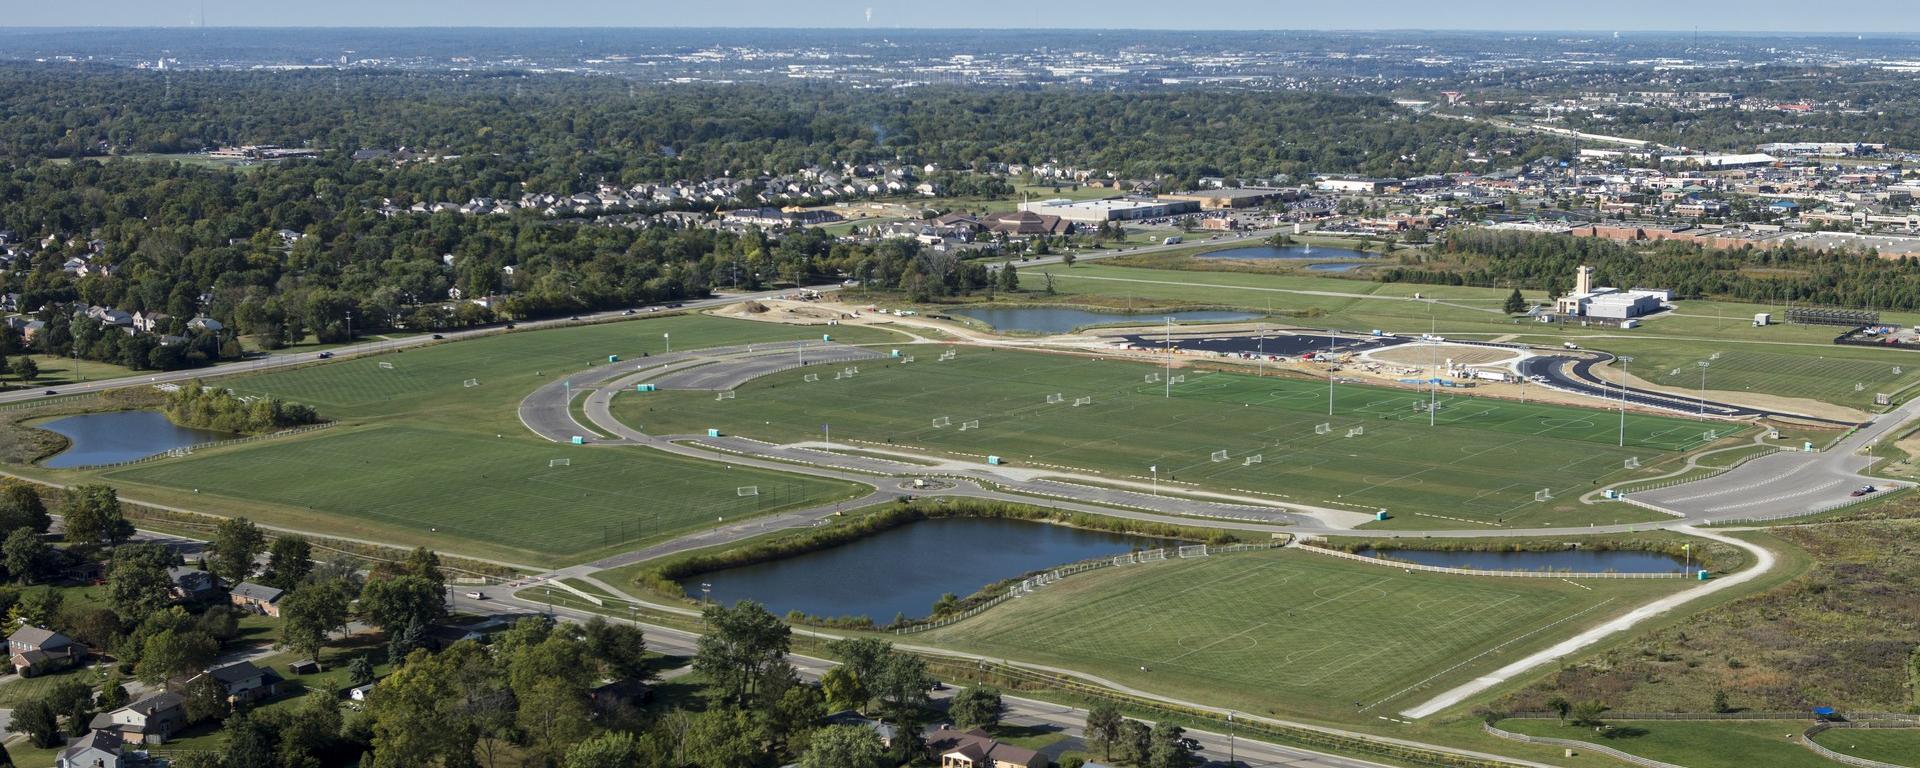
[(1426, 354)]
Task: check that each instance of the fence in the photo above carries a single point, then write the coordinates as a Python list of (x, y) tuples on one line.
[(214, 444), (1481, 572), (36, 403), (1848, 502), (1630, 488), (1807, 741), (1491, 729), (1885, 719), (1027, 585)]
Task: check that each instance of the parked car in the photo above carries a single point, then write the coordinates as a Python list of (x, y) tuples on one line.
[(1864, 490), (437, 337), (627, 313), (326, 355), (53, 391), (476, 595)]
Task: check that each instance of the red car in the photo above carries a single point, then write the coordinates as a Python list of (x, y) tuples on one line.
[(1864, 490)]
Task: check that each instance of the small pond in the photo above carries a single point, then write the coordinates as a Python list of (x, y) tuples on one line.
[(1293, 252), (110, 438), (905, 569), (1338, 266), (1573, 560), (1062, 319)]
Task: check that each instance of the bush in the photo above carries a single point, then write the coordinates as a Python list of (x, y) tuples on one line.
[(196, 405)]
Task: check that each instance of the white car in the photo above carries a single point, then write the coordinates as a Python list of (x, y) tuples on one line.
[(476, 595)]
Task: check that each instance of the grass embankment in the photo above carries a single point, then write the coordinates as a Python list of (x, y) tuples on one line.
[(1694, 743), (420, 458), (1714, 556), (1888, 745), (1482, 463)]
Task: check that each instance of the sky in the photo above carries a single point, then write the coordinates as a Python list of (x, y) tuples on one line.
[(1859, 16)]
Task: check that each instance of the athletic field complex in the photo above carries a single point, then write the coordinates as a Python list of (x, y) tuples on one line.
[(1480, 462)]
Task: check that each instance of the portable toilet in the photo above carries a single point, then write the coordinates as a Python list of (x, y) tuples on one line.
[(644, 388), (994, 460), (613, 358), (1700, 574), (896, 353), (713, 433), (826, 337), (1806, 447), (578, 440), (1380, 515)]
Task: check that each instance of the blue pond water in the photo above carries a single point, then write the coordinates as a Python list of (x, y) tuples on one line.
[(1296, 252), (1062, 319), (108, 438), (1575, 560), (904, 570), (1338, 266)]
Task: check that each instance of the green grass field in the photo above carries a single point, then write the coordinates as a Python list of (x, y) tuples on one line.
[(420, 458), (1825, 374), (1887, 745), (1694, 743), (1287, 633), (1483, 461)]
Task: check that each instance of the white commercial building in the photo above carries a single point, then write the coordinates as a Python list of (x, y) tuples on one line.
[(1099, 211), (1587, 300)]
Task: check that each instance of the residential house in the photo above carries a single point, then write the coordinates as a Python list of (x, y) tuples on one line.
[(150, 322), (35, 651), (880, 728), (975, 749), (242, 681), (28, 327), (207, 324), (258, 598), (189, 583), (150, 720), (98, 749)]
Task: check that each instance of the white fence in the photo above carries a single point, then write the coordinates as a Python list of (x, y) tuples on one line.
[(1483, 572)]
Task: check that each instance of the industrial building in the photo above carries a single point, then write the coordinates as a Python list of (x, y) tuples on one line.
[(1233, 197), (1606, 303), (1100, 211)]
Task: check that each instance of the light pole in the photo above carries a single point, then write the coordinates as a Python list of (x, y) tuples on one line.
[(1703, 387), (349, 326), (1625, 360), (1169, 353), (1155, 469), (1329, 372), (669, 338), (1230, 740)]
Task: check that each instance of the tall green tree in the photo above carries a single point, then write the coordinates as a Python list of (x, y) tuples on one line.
[(289, 562), (138, 582), (22, 507), (1516, 303), (1169, 747), (236, 542), (308, 615), (24, 553), (38, 722), (845, 746), (170, 654), (93, 515), (1103, 727), (393, 603), (743, 647), (976, 707)]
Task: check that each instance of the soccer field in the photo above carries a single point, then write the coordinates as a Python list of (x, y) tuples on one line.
[(421, 457), (1483, 460), (1829, 375), (1287, 632)]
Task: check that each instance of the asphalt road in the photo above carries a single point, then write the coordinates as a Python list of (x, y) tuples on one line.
[(1574, 373)]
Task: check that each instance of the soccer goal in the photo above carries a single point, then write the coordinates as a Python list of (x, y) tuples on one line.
[(949, 355), (1710, 435), (810, 378), (747, 490), (1323, 429), (1055, 398), (1195, 550), (727, 395), (1633, 462), (1150, 555), (966, 425), (1181, 379), (1252, 460), (1356, 431), (1153, 378), (470, 383), (942, 421), (1123, 559), (907, 359), (1544, 494), (1896, 370), (1080, 401), (1219, 455), (385, 366), (551, 463), (1858, 387)]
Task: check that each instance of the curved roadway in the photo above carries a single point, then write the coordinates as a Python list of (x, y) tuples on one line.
[(1574, 373)]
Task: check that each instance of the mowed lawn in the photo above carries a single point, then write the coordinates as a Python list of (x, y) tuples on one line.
[(1696, 743), (1843, 375), (1483, 460), (419, 456), (1288, 632), (1888, 745)]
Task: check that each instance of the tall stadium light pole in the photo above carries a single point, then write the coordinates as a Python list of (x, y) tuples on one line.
[(1703, 387), (1155, 469), (1169, 352), (1625, 360), (669, 338), (1433, 383), (1230, 739), (1329, 372)]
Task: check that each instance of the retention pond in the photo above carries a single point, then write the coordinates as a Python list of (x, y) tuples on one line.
[(111, 438)]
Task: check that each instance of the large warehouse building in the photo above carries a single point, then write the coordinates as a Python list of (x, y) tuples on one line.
[(1120, 209), (1587, 300)]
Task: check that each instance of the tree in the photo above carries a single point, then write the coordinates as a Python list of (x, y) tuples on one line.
[(360, 671), (38, 722), (236, 542), (621, 649), (1068, 260), (1587, 713), (613, 750), (845, 746), (26, 368), (251, 743), (394, 603), (976, 707), (289, 562), (744, 646), (1135, 743), (73, 701), (307, 616), (206, 700), (171, 653), (23, 553), (113, 691), (311, 731), (21, 507), (1720, 702), (1009, 277), (1516, 303), (138, 583), (93, 515), (722, 738), (842, 689), (1169, 748), (410, 728), (1103, 727), (1560, 706), (40, 606)]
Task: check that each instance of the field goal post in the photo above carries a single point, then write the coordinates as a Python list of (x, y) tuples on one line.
[(386, 366), (1323, 429), (1193, 550), (1633, 462), (1252, 460), (551, 463), (1080, 401), (1219, 456), (747, 490), (470, 383), (1544, 494), (1056, 398)]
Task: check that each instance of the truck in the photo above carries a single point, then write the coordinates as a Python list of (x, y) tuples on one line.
[(1174, 240), (1570, 345)]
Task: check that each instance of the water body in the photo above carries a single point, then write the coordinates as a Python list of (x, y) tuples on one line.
[(1338, 266), (1293, 252), (109, 438), (1574, 560), (1062, 319), (904, 570)]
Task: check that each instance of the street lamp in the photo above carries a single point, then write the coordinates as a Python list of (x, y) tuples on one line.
[(1625, 360)]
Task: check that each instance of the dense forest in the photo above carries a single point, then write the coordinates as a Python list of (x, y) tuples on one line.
[(1786, 274)]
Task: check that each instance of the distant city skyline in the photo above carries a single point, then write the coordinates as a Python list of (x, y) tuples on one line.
[(1878, 17)]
